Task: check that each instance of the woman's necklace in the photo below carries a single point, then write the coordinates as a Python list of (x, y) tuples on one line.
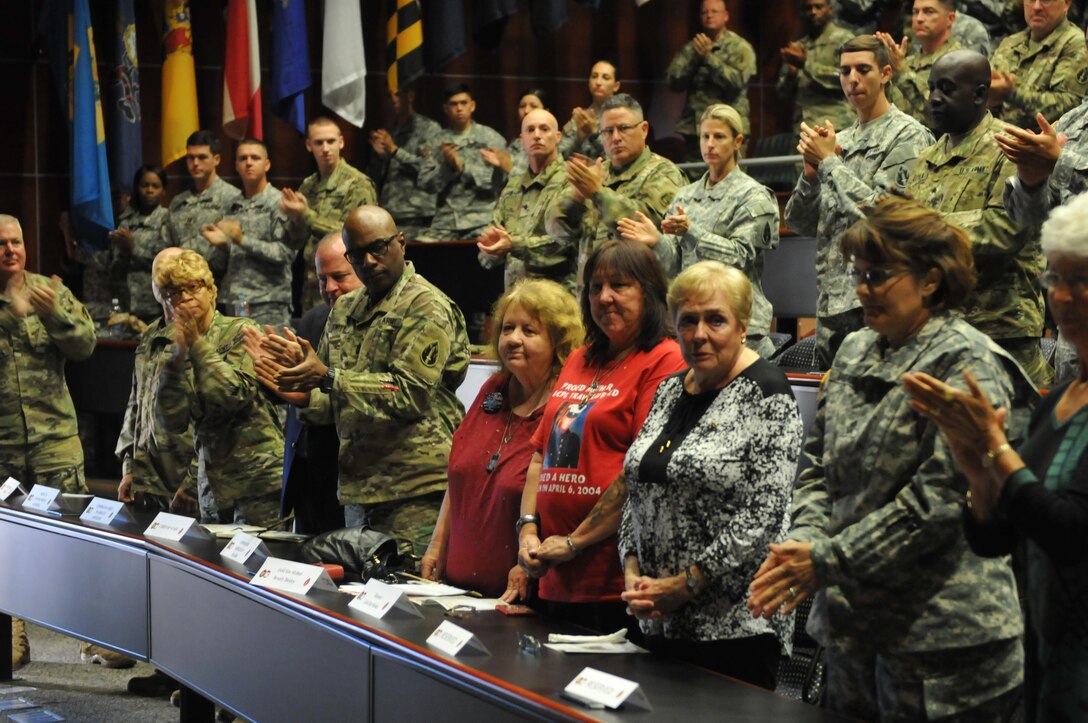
[(603, 372), (493, 461)]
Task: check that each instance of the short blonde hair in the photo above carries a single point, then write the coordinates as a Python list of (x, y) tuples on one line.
[(702, 279), (551, 305), (184, 268), (725, 114)]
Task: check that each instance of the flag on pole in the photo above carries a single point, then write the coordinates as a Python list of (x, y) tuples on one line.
[(290, 62), (491, 17), (179, 112), (126, 144), (242, 73), (547, 16), (92, 207), (444, 27), (343, 71), (404, 44)]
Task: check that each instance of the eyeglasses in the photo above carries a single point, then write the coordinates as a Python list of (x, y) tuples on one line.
[(873, 277), (377, 250), (618, 130), (1052, 280), (173, 293)]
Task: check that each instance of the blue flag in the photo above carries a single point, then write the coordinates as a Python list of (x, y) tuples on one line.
[(126, 144), (92, 207), (290, 62), (443, 32)]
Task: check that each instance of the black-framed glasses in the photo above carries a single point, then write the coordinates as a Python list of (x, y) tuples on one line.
[(621, 129), (377, 250), (1051, 280), (873, 277), (173, 293)]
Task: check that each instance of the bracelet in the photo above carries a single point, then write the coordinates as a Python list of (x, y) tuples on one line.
[(992, 455), (571, 546)]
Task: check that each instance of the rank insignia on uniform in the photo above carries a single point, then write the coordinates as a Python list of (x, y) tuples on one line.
[(429, 355)]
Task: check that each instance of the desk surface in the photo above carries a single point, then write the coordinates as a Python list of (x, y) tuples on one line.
[(256, 651)]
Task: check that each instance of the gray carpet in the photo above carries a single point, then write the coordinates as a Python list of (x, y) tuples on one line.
[(80, 692)]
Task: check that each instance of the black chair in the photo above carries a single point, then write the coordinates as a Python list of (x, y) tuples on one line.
[(1049, 346), (802, 676), (801, 355), (779, 340), (780, 176)]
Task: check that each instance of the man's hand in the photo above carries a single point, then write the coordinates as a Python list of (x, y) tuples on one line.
[(293, 205), (528, 545), (897, 52), (517, 585), (816, 144), (122, 237), (702, 44), (452, 156), (498, 158), (267, 369), (183, 503), (585, 122), (214, 235), (382, 143), (124, 489), (43, 299), (793, 55), (495, 241), (1034, 154), (305, 376), (1001, 85), (232, 229), (284, 349), (585, 175)]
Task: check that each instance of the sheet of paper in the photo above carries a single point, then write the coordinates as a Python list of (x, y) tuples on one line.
[(428, 589), (227, 531), (482, 604)]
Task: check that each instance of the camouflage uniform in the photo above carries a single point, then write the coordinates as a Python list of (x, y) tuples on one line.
[(815, 89), (330, 201), (964, 182), (721, 77), (648, 184), (189, 211), (591, 147), (260, 266), (519, 159), (1051, 75), (912, 80), (859, 16), (1069, 178), (159, 462), (100, 284), (398, 175), (522, 210), (882, 506), (135, 266), (39, 441), (467, 199), (398, 364), (236, 431), (735, 221), (876, 157)]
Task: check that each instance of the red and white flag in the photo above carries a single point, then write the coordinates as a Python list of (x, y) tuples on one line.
[(242, 72)]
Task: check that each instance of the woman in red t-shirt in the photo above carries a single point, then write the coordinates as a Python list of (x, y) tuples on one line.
[(596, 408), (536, 327)]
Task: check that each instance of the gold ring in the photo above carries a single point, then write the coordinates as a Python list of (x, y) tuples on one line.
[(793, 593), (949, 396)]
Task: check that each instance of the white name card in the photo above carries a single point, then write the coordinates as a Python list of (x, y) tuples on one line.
[(105, 512), (171, 527), (377, 599), (452, 639), (243, 546), (11, 487), (598, 689), (41, 498), (293, 577)]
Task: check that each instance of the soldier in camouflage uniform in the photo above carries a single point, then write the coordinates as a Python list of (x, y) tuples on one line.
[(845, 171), (932, 26), (635, 179), (916, 626), (209, 383), (398, 159), (138, 239), (205, 203), (41, 326), (963, 176), (1043, 69), (580, 134), (254, 231), (518, 236), (386, 373), (713, 67), (324, 199), (466, 183), (809, 76)]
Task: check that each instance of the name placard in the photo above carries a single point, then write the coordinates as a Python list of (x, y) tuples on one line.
[(167, 526), (598, 689), (11, 487), (293, 577), (452, 639), (377, 599), (243, 546), (105, 512), (41, 498)]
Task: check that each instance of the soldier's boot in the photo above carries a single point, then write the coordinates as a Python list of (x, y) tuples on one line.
[(20, 645), (90, 653)]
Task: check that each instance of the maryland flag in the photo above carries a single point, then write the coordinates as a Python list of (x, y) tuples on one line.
[(179, 116), (404, 44)]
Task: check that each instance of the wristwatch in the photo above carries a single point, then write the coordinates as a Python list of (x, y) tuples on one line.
[(326, 381), (525, 520), (692, 582)]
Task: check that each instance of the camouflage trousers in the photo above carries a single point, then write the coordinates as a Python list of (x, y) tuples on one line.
[(832, 330), (263, 510), (410, 521), (978, 683), (1028, 353), (54, 463), (442, 233)]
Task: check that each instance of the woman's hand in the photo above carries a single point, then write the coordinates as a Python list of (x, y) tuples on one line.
[(650, 598), (640, 229), (553, 550), (676, 224), (517, 585), (527, 560), (784, 580)]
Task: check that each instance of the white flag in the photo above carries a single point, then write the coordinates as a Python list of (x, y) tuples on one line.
[(343, 64)]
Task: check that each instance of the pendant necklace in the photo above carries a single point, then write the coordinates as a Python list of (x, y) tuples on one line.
[(494, 461)]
